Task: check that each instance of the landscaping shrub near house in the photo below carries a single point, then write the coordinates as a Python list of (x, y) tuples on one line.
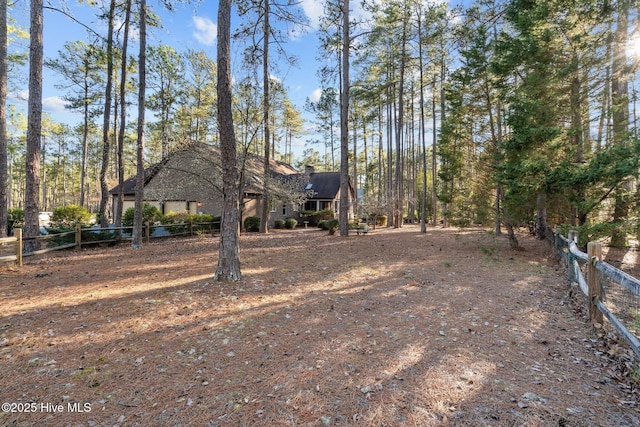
[(149, 213), (201, 223), (315, 217), (175, 222), (332, 225), (278, 223), (290, 223), (252, 223)]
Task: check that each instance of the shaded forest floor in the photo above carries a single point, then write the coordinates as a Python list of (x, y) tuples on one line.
[(394, 328)]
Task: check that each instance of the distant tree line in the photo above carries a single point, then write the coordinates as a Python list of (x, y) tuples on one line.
[(503, 112)]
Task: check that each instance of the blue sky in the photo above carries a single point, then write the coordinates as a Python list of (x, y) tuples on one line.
[(188, 27)]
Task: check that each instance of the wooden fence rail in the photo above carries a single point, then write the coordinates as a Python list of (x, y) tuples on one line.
[(593, 287), (91, 236)]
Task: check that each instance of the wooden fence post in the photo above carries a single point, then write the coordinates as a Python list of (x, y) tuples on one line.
[(190, 227), (147, 230), (594, 251), (78, 237), (18, 233)]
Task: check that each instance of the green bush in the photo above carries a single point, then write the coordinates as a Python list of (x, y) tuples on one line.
[(179, 219), (201, 223), (315, 217), (149, 213), (590, 232), (175, 218), (290, 223), (67, 217), (252, 223), (15, 218), (278, 223), (201, 218), (332, 225), (323, 224)]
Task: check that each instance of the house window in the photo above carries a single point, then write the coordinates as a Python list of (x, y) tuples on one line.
[(284, 209), (273, 205), (311, 205)]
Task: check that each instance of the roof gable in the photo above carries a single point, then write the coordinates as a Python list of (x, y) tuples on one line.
[(325, 185)]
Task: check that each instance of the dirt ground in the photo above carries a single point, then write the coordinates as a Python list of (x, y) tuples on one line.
[(394, 328)]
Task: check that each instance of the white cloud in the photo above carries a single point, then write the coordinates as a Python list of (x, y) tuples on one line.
[(315, 95), (205, 30), (314, 10), (21, 96), (55, 104)]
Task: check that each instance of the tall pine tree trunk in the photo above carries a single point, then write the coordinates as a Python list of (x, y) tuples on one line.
[(344, 125), (123, 120), (264, 217), (104, 198), (423, 207), (399, 184), (136, 235), (228, 258), (434, 163), (3, 120), (34, 129)]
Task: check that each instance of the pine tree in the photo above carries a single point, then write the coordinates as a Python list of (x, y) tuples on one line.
[(228, 258)]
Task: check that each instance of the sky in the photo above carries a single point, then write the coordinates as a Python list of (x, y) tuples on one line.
[(188, 27)]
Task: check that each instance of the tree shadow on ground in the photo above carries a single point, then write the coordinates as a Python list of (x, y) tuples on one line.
[(393, 328)]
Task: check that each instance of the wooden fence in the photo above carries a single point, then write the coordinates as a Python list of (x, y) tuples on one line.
[(91, 236), (610, 292)]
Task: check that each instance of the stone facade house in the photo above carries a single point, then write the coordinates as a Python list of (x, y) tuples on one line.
[(189, 179)]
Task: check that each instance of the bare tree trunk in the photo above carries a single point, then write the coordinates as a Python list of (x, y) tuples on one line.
[(344, 125), (423, 208), (117, 220), (399, 199), (264, 218), (228, 258), (513, 240), (136, 235), (355, 169), (541, 215), (34, 129), (85, 148), (104, 199), (434, 164), (3, 120)]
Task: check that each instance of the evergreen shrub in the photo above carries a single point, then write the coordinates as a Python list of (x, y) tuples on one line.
[(252, 223), (290, 223)]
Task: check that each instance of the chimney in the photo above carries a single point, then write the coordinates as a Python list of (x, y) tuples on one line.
[(308, 170)]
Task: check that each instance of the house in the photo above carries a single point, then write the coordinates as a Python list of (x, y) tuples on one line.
[(189, 179)]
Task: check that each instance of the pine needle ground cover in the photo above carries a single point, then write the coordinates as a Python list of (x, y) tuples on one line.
[(394, 328)]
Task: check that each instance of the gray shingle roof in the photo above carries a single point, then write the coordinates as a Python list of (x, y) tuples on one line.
[(325, 185)]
